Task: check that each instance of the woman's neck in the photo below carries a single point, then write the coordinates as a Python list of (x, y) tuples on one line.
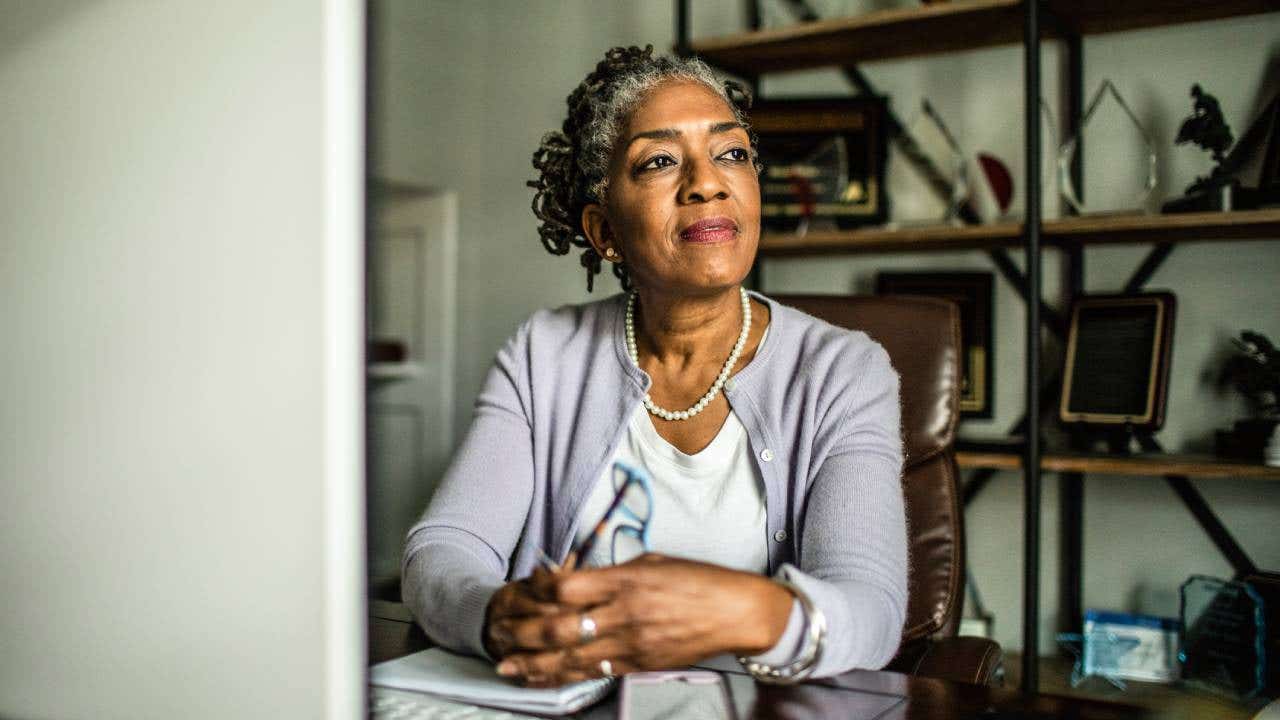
[(679, 332)]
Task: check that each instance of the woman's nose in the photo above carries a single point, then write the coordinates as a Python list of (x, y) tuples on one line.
[(703, 182)]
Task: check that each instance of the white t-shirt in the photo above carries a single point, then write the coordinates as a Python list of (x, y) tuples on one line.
[(708, 506)]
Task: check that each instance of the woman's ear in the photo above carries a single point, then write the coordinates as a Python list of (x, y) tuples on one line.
[(595, 225)]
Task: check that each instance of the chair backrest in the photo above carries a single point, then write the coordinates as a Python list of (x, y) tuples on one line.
[(922, 337)]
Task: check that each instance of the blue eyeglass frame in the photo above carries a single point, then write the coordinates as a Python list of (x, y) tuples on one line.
[(631, 475), (641, 478)]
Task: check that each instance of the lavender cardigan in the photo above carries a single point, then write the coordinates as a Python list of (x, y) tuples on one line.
[(820, 405)]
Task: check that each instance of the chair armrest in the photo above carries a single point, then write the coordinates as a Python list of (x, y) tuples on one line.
[(961, 659)]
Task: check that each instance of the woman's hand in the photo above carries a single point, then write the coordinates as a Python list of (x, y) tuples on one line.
[(651, 613), (514, 603)]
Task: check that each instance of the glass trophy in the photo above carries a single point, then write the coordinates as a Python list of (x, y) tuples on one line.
[(936, 142), (1097, 652), (1120, 646), (1223, 630), (1120, 139)]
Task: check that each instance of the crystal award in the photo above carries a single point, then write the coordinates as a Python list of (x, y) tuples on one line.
[(1223, 629), (1121, 138)]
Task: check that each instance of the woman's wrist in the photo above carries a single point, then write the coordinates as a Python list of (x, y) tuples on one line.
[(766, 619)]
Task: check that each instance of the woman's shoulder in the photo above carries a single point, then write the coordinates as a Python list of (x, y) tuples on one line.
[(566, 321), (565, 332)]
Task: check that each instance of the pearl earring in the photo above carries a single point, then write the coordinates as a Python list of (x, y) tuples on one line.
[(610, 253)]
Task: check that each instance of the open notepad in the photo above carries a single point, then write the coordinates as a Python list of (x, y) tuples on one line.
[(472, 680)]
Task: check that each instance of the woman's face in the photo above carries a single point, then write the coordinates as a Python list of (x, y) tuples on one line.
[(683, 200)]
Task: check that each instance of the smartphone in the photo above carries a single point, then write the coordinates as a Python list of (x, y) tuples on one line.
[(685, 694)]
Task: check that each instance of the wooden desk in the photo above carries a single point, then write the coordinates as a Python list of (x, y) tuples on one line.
[(392, 634)]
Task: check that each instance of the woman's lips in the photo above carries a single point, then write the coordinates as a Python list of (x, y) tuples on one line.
[(711, 230)]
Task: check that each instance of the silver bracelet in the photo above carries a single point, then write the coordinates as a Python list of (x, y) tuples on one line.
[(802, 667)]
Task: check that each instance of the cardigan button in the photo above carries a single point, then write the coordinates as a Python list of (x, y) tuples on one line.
[(780, 536), (766, 455)]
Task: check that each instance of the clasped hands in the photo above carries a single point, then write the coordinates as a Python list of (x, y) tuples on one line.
[(651, 613)]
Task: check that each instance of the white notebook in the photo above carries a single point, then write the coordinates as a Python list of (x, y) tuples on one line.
[(472, 680)]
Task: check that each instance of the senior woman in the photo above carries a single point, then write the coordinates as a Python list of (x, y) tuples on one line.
[(770, 439)]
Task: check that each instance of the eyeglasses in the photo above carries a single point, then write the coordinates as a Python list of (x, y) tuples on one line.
[(633, 506)]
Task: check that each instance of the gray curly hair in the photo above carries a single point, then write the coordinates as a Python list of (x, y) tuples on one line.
[(573, 164), (610, 112)]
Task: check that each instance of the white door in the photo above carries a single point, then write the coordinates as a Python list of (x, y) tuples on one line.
[(412, 291)]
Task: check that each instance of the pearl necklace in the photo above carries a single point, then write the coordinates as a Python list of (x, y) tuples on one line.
[(724, 372)]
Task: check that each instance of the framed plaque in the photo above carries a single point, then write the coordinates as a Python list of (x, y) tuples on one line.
[(972, 293), (823, 162), (1117, 365)]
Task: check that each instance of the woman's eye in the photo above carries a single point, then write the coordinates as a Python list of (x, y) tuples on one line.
[(737, 155), (657, 162)]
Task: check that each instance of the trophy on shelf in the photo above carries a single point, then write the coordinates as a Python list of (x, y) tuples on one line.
[(984, 195), (1207, 129), (1066, 154), (1223, 189), (952, 157)]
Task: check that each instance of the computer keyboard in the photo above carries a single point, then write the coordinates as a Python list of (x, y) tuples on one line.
[(390, 704)]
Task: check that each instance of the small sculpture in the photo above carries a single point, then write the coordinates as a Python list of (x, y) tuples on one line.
[(1255, 371), (1207, 129)]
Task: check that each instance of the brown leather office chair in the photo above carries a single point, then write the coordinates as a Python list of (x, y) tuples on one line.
[(922, 337)]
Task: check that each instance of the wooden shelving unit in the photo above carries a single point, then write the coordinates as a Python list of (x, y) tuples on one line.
[(943, 28), (1190, 466), (1090, 230), (937, 29)]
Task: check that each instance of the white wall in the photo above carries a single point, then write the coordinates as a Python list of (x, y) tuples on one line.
[(180, 302), (503, 77)]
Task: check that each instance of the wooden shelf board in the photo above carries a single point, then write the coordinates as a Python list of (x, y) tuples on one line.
[(991, 460), (1167, 702), (878, 35), (1103, 229), (942, 28), (941, 237), (394, 370), (1191, 466), (1087, 230), (1092, 17)]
